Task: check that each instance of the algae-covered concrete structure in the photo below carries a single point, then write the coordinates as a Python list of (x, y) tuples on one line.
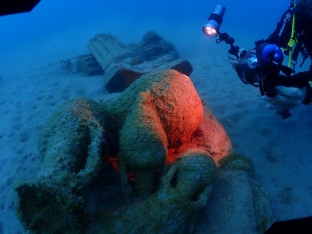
[(145, 160)]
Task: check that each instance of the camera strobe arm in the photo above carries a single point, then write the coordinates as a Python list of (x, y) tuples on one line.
[(230, 41)]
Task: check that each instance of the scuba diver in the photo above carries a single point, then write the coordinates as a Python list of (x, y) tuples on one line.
[(262, 67)]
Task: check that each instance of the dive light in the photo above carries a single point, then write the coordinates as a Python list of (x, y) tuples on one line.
[(211, 28)]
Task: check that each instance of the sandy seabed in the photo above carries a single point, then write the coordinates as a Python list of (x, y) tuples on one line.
[(280, 149)]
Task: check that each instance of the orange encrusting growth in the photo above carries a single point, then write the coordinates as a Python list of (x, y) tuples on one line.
[(209, 136)]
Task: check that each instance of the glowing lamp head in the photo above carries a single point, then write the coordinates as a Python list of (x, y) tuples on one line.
[(211, 28), (210, 31)]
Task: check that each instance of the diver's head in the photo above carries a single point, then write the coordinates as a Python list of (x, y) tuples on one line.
[(305, 7), (304, 2), (269, 54)]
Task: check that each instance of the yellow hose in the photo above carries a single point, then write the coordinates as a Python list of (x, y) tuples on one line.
[(292, 41)]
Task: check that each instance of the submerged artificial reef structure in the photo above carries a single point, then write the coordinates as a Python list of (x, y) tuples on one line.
[(149, 159)]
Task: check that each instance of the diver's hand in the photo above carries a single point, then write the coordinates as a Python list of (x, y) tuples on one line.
[(234, 61), (286, 98)]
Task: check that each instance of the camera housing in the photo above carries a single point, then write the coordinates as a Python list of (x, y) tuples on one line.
[(262, 65)]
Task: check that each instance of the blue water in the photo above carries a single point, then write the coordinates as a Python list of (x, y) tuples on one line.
[(67, 25), (75, 22), (129, 20)]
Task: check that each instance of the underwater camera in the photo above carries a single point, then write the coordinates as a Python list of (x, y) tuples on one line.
[(258, 67), (262, 65)]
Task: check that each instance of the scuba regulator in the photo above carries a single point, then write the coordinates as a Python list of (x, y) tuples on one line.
[(258, 67)]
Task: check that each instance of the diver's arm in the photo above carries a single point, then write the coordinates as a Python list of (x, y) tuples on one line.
[(300, 79), (282, 33)]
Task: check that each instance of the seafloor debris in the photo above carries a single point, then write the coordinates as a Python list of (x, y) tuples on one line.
[(122, 64), (89, 65)]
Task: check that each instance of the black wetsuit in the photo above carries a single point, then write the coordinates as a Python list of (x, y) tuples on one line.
[(281, 36)]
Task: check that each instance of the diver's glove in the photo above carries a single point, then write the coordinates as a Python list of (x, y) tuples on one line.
[(288, 97), (235, 61)]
